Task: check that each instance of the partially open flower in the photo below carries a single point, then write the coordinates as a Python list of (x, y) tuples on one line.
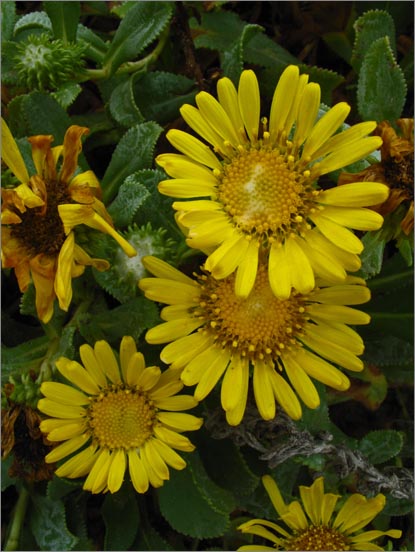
[(38, 217), (313, 525)]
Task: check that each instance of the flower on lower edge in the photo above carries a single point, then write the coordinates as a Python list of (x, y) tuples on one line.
[(395, 169), (38, 217), (213, 333), (320, 531), (117, 417), (263, 194)]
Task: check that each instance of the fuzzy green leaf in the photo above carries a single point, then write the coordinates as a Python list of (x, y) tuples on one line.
[(398, 507), (131, 195), (57, 488), (120, 510), (33, 20), (372, 255), (381, 88), (380, 446), (159, 95), (371, 26), (8, 17), (95, 47), (142, 24), (207, 507), (48, 524), (263, 51), (133, 152), (233, 57), (122, 104), (65, 18), (67, 94), (23, 357)]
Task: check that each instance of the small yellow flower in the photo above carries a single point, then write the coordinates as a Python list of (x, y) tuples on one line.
[(311, 526), (213, 333), (117, 416), (262, 193), (38, 217)]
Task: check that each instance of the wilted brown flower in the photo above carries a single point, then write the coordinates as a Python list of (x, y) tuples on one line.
[(396, 169)]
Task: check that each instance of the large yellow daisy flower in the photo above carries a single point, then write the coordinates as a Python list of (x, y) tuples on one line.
[(320, 531), (38, 217), (117, 416), (262, 192), (213, 333)]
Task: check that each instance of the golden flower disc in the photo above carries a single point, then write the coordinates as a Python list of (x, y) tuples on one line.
[(257, 326), (264, 194), (121, 418), (318, 538)]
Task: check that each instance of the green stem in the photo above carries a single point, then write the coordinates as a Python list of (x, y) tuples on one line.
[(385, 280), (17, 520)]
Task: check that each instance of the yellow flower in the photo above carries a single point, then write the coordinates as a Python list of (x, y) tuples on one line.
[(263, 193), (320, 531), (38, 217), (213, 333), (117, 416)]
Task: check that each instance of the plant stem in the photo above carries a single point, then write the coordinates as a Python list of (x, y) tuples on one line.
[(17, 521)]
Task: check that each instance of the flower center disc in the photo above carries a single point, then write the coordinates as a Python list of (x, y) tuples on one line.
[(257, 326), (318, 538), (264, 194), (122, 418)]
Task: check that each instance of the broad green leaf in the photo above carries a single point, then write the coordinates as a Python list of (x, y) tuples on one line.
[(67, 94), (64, 17), (233, 57), (149, 539), (121, 517), (58, 488), (8, 17), (141, 25), (48, 524), (22, 358), (381, 88), (131, 195), (134, 152), (122, 104), (121, 9), (76, 506), (372, 255), (261, 50), (33, 20), (381, 445), (398, 506), (95, 47), (193, 504), (371, 26), (159, 96)]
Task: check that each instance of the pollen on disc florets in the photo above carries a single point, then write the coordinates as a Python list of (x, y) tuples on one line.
[(318, 537), (256, 327), (121, 417), (265, 193)]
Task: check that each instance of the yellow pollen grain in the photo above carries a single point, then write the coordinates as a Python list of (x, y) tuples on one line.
[(264, 194), (121, 418), (319, 537), (259, 326)]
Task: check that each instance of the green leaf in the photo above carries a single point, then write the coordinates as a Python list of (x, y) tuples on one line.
[(57, 487), (130, 319), (149, 539), (67, 94), (120, 510), (317, 419), (140, 140), (22, 358), (131, 195), (380, 446), (95, 47), (397, 507), (339, 42), (33, 20), (159, 96), (65, 18), (8, 17), (372, 255), (193, 504), (6, 480), (48, 524), (232, 58), (381, 88), (122, 104), (327, 79), (261, 50), (371, 26), (76, 517), (141, 25)]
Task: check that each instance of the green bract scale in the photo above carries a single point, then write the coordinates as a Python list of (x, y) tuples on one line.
[(43, 63)]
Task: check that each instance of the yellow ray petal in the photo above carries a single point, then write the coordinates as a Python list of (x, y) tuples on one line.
[(11, 155)]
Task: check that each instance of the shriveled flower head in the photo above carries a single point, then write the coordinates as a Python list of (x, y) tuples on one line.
[(117, 417), (38, 217), (213, 333), (258, 188), (314, 525), (395, 169)]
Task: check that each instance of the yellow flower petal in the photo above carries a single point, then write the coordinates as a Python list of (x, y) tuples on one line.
[(264, 396), (249, 103), (301, 382), (179, 421), (66, 448), (322, 371), (359, 194), (107, 361), (11, 155), (58, 410), (325, 127), (193, 148), (337, 234), (247, 270), (356, 218), (116, 470), (283, 99), (212, 374), (174, 329), (63, 393), (285, 395), (216, 116), (137, 471)]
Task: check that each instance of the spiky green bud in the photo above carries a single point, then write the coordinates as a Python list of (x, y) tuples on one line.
[(42, 63)]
